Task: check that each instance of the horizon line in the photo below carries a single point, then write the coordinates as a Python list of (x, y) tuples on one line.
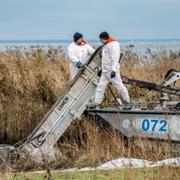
[(123, 39)]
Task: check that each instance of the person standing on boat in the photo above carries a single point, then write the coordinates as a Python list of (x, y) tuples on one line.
[(79, 52), (111, 71)]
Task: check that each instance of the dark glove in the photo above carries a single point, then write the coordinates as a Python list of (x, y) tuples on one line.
[(78, 64), (99, 73), (113, 74)]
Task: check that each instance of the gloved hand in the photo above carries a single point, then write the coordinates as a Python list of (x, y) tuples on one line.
[(113, 74), (78, 64)]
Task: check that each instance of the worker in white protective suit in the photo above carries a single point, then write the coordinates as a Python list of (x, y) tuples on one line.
[(110, 71), (79, 52)]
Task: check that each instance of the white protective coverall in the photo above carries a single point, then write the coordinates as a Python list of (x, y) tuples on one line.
[(110, 62), (78, 53)]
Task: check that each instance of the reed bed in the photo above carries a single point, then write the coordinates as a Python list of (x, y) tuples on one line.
[(30, 81)]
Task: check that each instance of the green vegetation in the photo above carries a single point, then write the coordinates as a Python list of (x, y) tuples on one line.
[(164, 173)]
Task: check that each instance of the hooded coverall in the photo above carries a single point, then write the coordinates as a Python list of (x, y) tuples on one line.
[(110, 62), (78, 53)]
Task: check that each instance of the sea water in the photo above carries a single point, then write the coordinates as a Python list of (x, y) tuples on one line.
[(139, 46)]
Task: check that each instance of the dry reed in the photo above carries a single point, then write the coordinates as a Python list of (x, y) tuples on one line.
[(30, 81)]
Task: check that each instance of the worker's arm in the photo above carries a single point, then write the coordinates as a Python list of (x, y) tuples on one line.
[(90, 50), (114, 50), (72, 55)]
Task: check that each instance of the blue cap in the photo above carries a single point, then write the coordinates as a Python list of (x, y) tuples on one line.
[(77, 36), (104, 35)]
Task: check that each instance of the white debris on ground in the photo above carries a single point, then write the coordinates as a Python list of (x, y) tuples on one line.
[(175, 162), (132, 163), (138, 163), (123, 163)]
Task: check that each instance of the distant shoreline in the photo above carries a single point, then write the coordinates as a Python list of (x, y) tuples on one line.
[(53, 41), (139, 46)]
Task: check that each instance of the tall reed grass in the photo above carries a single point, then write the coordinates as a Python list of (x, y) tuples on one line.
[(31, 80)]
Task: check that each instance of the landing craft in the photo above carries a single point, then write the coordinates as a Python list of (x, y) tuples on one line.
[(161, 121)]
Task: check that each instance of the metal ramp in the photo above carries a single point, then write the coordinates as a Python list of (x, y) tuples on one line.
[(69, 106)]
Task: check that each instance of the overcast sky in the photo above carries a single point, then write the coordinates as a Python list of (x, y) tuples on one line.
[(59, 19)]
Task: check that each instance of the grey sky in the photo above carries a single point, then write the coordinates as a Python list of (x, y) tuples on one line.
[(59, 19)]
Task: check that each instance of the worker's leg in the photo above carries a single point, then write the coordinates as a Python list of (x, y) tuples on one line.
[(101, 89), (73, 71), (117, 82)]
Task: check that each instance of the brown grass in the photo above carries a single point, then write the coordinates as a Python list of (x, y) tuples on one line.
[(29, 84), (30, 81)]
